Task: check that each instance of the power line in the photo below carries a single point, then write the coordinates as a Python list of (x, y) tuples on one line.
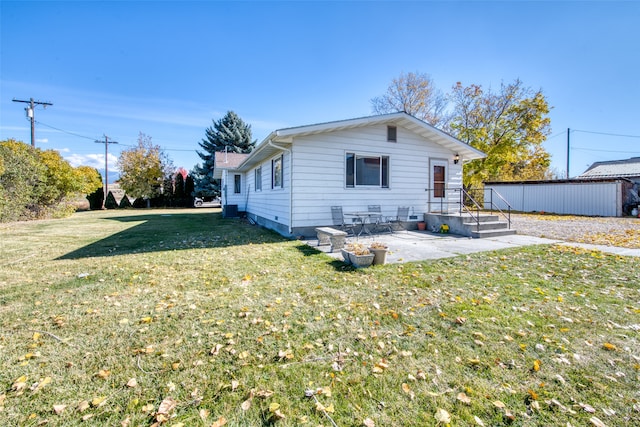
[(604, 151), (31, 115), (93, 139), (65, 131), (606, 133)]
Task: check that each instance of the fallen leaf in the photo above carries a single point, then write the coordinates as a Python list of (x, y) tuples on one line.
[(478, 421), (103, 373), (220, 422), (166, 406), (246, 405), (596, 422), (499, 404), (462, 397), (442, 416), (274, 406), (609, 347), (368, 422), (59, 409), (83, 406), (40, 385), (204, 414), (536, 365), (132, 383), (98, 401)]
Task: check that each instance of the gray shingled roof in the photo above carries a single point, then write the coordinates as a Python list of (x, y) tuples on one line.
[(613, 169)]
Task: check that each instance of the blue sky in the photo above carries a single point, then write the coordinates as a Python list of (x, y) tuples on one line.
[(168, 68)]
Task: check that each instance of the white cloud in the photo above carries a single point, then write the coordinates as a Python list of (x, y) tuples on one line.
[(92, 160)]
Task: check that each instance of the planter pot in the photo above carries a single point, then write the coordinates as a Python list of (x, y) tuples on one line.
[(357, 261), (379, 255), (422, 226), (345, 256)]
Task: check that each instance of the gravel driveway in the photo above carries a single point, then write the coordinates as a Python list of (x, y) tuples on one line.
[(623, 232)]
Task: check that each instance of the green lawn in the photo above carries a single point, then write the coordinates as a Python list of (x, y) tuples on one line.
[(182, 318)]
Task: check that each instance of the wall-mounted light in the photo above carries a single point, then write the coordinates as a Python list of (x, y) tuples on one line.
[(456, 158)]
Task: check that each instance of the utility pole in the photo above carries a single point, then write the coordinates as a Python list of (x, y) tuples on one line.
[(106, 143), (568, 149), (31, 115)]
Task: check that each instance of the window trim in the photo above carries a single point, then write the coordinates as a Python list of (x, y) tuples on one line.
[(392, 133), (274, 161), (237, 184), (257, 177), (351, 162)]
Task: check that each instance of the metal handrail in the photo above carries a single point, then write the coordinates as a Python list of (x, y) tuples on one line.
[(474, 209)]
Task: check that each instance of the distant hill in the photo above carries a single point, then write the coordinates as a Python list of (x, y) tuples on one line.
[(113, 175)]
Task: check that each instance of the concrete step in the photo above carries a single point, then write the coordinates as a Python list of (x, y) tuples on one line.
[(486, 225), (492, 233)]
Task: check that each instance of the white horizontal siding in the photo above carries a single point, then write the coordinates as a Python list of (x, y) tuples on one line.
[(319, 170), (589, 198), (272, 204)]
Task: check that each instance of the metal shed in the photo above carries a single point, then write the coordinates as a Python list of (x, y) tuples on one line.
[(592, 197)]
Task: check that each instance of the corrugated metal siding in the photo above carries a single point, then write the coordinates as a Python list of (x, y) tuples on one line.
[(590, 198)]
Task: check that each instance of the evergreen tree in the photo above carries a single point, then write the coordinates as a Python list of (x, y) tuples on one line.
[(230, 133), (110, 203), (125, 202), (96, 199)]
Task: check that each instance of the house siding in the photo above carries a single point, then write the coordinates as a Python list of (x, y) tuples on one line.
[(270, 206), (319, 168)]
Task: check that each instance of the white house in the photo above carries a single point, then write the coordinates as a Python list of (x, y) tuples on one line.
[(292, 178)]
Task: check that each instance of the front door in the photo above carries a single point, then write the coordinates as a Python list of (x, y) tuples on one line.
[(438, 186)]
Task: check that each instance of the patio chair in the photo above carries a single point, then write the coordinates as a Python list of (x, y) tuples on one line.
[(401, 216), (338, 220), (379, 221)]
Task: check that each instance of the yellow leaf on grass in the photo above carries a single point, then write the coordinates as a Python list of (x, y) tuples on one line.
[(220, 422), (98, 401), (609, 346), (103, 373), (42, 384), (146, 319), (19, 383), (536, 365), (274, 406)]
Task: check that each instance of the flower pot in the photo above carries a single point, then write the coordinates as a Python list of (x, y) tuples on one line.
[(422, 226), (379, 255), (345, 256), (359, 261)]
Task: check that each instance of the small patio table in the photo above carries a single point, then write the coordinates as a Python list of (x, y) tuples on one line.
[(364, 219)]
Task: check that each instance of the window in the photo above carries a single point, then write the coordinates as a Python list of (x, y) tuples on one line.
[(237, 187), (276, 172), (392, 134), (438, 181), (258, 179), (366, 171)]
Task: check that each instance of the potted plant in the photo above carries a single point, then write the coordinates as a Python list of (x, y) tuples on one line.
[(357, 255), (422, 225), (444, 229), (379, 251)]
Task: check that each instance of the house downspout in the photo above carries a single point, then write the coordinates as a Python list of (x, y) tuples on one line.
[(290, 181)]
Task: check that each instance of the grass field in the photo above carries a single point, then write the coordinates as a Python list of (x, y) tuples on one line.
[(182, 318)]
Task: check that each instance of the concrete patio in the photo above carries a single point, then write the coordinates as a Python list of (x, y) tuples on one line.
[(406, 246)]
